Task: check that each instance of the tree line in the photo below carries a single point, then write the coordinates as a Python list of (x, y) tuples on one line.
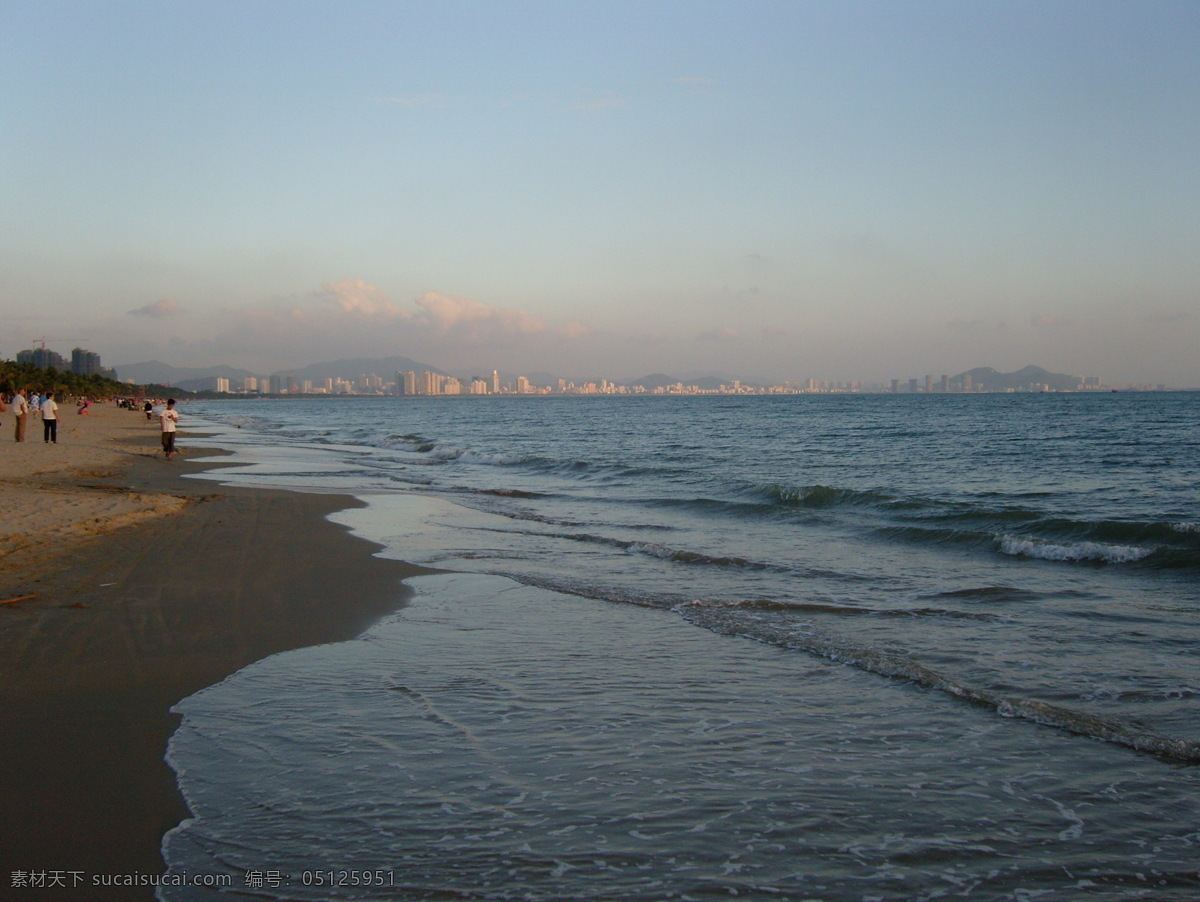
[(65, 384)]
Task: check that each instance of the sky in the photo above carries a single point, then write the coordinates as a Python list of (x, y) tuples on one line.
[(768, 190)]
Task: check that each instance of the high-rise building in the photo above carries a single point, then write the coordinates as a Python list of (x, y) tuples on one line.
[(43, 358), (495, 382), (84, 363), (430, 383)]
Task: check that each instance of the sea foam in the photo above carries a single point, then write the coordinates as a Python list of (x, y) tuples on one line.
[(1018, 546)]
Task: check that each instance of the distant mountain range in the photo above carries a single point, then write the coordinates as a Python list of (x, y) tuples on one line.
[(154, 372), (200, 379)]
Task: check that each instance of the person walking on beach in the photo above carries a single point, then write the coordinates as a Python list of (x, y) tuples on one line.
[(169, 417), (20, 410), (49, 419)]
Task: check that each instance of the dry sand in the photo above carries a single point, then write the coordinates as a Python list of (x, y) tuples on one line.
[(138, 587), (55, 493)]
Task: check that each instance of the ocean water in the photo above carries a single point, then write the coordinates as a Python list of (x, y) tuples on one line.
[(804, 647)]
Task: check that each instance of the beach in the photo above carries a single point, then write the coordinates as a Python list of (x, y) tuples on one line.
[(137, 587)]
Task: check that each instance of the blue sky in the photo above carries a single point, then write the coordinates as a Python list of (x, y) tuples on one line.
[(832, 190)]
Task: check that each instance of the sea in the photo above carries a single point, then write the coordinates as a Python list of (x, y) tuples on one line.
[(807, 647)]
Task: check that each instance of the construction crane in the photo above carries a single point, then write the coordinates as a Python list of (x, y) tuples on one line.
[(42, 341)]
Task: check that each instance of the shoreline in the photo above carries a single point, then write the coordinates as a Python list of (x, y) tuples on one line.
[(180, 584)]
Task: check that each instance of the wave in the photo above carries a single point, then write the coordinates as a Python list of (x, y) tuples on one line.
[(699, 558), (988, 594), (679, 556), (756, 501), (666, 553), (509, 493), (843, 610), (1117, 531), (925, 535), (583, 470), (466, 455), (719, 618), (713, 506), (1043, 549), (817, 496), (1039, 546)]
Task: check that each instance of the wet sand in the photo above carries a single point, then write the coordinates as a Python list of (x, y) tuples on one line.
[(146, 587)]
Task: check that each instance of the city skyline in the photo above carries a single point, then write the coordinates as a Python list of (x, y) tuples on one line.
[(422, 379), (427, 383), (782, 190)]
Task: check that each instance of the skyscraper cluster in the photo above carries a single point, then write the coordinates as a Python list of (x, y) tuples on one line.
[(83, 362)]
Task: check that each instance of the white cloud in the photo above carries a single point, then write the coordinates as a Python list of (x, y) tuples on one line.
[(360, 298), (446, 313), (354, 317), (165, 307), (475, 322)]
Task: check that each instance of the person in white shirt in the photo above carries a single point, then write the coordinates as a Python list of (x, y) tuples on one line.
[(20, 410), (49, 419), (169, 417)]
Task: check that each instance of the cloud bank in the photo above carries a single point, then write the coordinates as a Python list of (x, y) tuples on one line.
[(351, 316), (464, 319)]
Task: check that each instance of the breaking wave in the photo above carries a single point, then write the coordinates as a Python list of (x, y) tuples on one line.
[(1097, 552)]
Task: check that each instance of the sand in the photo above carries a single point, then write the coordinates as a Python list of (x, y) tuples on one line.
[(137, 587)]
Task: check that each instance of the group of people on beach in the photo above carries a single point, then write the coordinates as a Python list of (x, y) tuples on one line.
[(29, 405), (35, 405)]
